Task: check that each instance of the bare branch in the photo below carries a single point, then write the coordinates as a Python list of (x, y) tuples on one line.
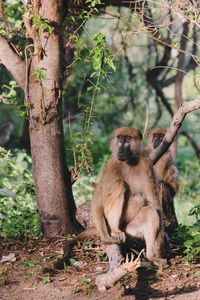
[(117, 269), (159, 113), (13, 62), (177, 121), (153, 74)]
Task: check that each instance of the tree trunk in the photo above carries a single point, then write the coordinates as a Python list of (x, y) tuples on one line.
[(53, 185)]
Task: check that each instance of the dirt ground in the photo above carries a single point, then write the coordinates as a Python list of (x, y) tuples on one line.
[(31, 276)]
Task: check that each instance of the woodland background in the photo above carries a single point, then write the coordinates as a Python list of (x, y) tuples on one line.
[(117, 62)]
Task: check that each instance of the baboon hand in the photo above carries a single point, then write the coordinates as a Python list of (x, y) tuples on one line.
[(118, 237)]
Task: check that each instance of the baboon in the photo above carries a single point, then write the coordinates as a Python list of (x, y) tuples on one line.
[(126, 198), (168, 180)]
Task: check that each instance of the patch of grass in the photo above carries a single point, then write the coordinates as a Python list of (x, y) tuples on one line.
[(46, 279), (189, 237), (86, 283), (30, 264)]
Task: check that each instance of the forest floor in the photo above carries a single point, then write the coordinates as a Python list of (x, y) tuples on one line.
[(28, 274)]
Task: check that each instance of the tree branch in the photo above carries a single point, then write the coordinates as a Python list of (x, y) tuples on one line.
[(177, 121), (117, 269), (153, 74), (13, 62)]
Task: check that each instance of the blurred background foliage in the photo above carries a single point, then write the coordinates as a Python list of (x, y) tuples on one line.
[(108, 81)]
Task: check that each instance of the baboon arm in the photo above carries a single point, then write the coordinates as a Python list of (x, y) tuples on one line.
[(173, 179), (170, 179), (100, 222)]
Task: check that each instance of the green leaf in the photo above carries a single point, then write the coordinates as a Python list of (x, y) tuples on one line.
[(96, 65), (72, 261)]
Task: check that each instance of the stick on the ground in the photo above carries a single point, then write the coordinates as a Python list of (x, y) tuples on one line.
[(108, 279)]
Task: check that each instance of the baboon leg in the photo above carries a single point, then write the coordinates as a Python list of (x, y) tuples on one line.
[(147, 225)]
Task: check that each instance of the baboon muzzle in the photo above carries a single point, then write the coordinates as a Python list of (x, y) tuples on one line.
[(124, 153)]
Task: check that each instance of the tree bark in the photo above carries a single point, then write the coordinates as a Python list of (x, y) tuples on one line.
[(12, 61), (52, 178)]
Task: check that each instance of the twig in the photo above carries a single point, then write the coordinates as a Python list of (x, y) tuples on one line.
[(108, 279)]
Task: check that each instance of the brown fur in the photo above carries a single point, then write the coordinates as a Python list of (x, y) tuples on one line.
[(167, 175), (126, 198)]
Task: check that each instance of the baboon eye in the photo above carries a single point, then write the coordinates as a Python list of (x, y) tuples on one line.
[(120, 138), (128, 138)]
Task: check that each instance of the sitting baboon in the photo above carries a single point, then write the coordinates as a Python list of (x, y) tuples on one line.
[(168, 180), (126, 198)]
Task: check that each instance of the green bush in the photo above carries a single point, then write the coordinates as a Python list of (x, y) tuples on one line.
[(189, 236), (189, 194), (18, 209)]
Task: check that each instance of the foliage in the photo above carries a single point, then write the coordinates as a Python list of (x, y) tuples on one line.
[(101, 55), (189, 236), (40, 74), (30, 264), (189, 195), (18, 208), (9, 96), (82, 189), (101, 60), (46, 279), (39, 23), (9, 92), (13, 12), (86, 285)]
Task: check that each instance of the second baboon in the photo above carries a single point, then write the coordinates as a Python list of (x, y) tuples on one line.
[(168, 180)]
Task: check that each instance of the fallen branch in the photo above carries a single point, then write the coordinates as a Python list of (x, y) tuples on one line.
[(172, 131), (118, 270)]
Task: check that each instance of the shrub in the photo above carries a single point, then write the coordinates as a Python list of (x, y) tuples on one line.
[(18, 209)]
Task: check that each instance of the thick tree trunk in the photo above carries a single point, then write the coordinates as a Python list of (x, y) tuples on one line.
[(52, 178), (40, 77)]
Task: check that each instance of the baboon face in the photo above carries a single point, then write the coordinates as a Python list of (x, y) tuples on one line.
[(157, 139), (155, 136), (124, 147), (126, 143)]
